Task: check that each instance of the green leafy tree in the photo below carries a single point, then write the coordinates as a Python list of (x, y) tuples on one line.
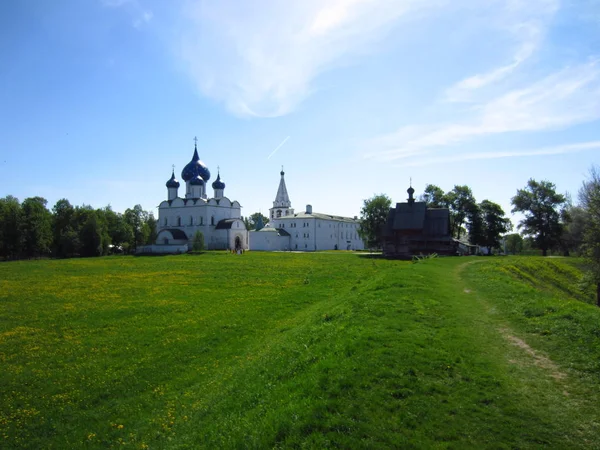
[(541, 206), (494, 224), (136, 217), (64, 245), (198, 241), (475, 226), (152, 225), (11, 216), (574, 229), (589, 198), (514, 243), (374, 214), (36, 227), (255, 219), (460, 202), (91, 235), (434, 197)]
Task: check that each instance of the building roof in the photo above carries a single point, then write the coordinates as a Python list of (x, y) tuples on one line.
[(225, 224), (195, 167), (409, 216), (305, 215), (415, 217), (173, 183), (176, 233), (218, 184), (282, 199), (270, 229)]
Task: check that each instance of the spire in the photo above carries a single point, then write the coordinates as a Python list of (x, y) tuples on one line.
[(410, 191), (195, 157), (282, 198)]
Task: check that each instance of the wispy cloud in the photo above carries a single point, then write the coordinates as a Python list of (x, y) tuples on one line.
[(261, 59), (141, 15), (556, 150), (278, 147), (565, 98), (525, 23)]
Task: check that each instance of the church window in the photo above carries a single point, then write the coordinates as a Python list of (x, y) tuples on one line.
[(212, 220), (278, 213), (166, 222), (191, 220), (179, 221), (201, 220), (166, 241)]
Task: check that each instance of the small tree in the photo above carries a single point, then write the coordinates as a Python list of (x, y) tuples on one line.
[(514, 243), (373, 217), (589, 197), (198, 242), (541, 206)]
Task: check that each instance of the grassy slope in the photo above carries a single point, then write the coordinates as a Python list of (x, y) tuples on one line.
[(292, 350)]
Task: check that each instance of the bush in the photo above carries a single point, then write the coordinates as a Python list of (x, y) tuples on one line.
[(198, 243)]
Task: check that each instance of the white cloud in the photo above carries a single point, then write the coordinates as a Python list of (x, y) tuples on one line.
[(565, 98), (141, 15), (525, 22), (556, 150), (261, 59)]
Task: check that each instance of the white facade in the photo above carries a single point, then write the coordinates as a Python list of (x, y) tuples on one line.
[(218, 218), (307, 231)]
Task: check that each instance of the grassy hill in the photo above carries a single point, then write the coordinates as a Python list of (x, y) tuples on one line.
[(283, 350)]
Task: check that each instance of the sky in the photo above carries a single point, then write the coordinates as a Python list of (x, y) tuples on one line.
[(100, 98)]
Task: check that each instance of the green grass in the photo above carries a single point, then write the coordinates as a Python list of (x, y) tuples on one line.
[(292, 350)]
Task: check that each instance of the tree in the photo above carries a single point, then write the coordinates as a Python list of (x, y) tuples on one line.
[(136, 218), (574, 229), (434, 197), (36, 227), (373, 217), (257, 221), (542, 207), (514, 243), (152, 225), (91, 236), (475, 226), (494, 224), (62, 229), (460, 201), (11, 216), (589, 198), (198, 242)]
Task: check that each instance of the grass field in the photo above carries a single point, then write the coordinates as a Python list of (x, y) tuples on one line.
[(287, 350)]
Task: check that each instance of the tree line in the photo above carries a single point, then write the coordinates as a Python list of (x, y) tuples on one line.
[(29, 229), (551, 221)]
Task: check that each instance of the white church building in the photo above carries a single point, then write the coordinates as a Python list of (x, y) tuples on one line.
[(304, 231), (179, 218)]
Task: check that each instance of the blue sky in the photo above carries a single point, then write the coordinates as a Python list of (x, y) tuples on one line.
[(99, 98)]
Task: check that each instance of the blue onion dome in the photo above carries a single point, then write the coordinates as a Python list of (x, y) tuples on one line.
[(218, 184), (195, 167), (410, 191), (173, 183), (197, 181)]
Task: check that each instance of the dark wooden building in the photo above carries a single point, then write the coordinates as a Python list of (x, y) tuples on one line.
[(414, 229)]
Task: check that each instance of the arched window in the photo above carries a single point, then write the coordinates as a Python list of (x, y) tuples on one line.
[(201, 220), (179, 221), (212, 220), (191, 220), (278, 213), (166, 222)]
